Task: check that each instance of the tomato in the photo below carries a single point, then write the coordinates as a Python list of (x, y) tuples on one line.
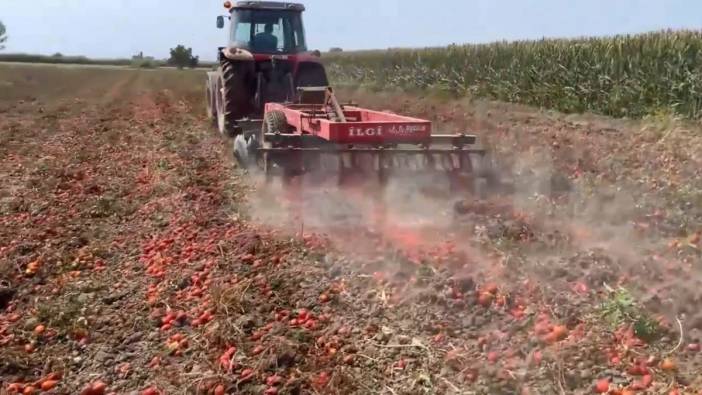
[(490, 288), (150, 391), (303, 315), (99, 387), (668, 365), (48, 385), (560, 332), (273, 380), (322, 380), (493, 356), (246, 374), (602, 386)]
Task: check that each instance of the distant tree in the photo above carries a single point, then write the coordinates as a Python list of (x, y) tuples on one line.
[(336, 49), (57, 55), (194, 61), (182, 57), (3, 35)]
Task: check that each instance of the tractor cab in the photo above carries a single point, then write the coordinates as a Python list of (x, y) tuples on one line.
[(263, 27), (265, 60)]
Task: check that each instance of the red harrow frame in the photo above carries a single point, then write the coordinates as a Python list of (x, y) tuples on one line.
[(320, 134)]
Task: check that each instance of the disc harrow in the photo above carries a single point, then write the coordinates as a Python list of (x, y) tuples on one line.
[(319, 136)]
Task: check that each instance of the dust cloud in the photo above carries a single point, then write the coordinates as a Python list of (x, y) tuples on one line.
[(560, 232)]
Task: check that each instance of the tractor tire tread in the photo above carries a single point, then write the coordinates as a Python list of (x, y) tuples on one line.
[(234, 96), (276, 121)]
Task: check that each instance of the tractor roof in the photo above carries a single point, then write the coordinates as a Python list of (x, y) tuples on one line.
[(268, 5)]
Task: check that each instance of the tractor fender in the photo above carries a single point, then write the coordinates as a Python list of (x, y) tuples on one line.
[(237, 54), (310, 57)]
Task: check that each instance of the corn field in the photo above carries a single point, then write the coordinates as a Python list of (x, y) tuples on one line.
[(622, 76)]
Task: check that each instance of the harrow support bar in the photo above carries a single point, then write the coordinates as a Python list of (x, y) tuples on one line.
[(306, 140), (366, 150)]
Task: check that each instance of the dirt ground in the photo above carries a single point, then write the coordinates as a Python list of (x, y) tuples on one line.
[(135, 258)]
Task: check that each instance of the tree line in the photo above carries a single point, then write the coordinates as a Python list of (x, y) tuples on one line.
[(180, 57)]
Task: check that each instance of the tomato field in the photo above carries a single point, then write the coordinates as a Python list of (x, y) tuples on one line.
[(135, 258)]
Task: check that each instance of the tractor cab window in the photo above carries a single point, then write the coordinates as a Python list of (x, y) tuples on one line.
[(268, 31)]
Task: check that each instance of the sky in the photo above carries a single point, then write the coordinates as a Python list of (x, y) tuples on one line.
[(122, 28)]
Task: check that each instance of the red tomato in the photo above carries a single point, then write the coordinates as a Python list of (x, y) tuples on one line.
[(273, 380), (602, 386), (150, 391), (48, 385)]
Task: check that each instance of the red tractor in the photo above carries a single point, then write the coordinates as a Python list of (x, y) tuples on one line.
[(271, 94), (266, 60)]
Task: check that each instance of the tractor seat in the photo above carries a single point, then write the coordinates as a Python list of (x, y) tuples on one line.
[(265, 42)]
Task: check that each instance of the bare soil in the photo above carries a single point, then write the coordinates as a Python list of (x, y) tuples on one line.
[(136, 258)]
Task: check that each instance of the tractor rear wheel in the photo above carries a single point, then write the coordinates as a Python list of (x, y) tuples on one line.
[(234, 99)]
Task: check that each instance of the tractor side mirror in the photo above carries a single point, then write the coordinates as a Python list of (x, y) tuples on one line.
[(220, 22)]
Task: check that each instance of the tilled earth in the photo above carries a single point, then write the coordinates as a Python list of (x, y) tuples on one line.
[(135, 257)]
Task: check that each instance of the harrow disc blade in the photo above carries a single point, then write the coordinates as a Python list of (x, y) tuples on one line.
[(438, 162), (447, 170)]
